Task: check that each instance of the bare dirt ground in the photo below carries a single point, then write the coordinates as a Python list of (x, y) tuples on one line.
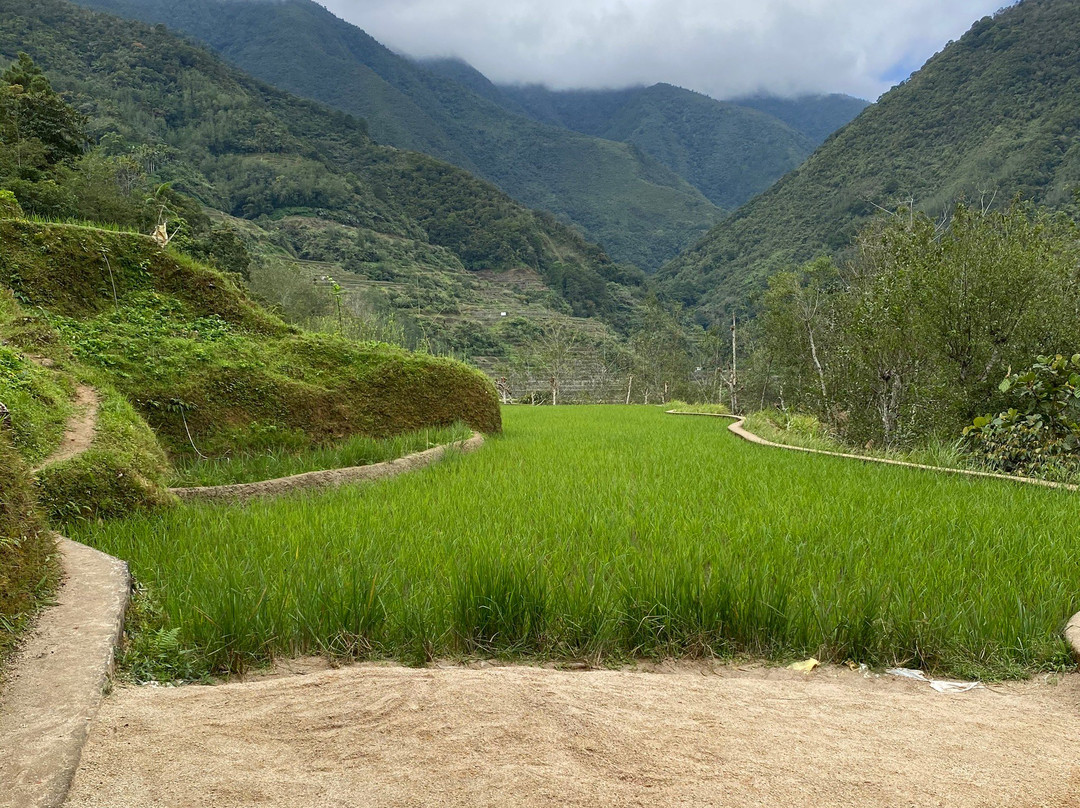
[(81, 427), (691, 735)]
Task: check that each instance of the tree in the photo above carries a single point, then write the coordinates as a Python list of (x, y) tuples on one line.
[(798, 320), (36, 119), (906, 340)]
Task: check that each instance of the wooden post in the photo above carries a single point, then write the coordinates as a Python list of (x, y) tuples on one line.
[(629, 387), (734, 374)]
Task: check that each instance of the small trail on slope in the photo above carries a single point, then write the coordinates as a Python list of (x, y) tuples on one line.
[(81, 427)]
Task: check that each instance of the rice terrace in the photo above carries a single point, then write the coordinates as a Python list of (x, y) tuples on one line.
[(633, 414)]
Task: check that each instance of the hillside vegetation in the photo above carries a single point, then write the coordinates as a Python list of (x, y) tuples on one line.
[(165, 110), (28, 569), (634, 534), (990, 117), (728, 151), (171, 358), (636, 208)]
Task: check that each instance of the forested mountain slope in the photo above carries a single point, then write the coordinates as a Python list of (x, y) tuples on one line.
[(729, 152), (816, 116), (992, 116), (635, 207), (168, 110)]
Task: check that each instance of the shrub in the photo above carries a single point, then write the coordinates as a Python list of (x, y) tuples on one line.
[(1040, 433), (9, 206)]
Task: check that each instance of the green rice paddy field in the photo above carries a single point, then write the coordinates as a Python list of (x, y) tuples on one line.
[(610, 533)]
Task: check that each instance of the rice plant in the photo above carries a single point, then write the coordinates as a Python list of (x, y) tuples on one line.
[(607, 533)]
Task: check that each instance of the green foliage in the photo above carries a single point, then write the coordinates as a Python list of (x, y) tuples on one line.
[(278, 461), (904, 342), (978, 121), (726, 150), (815, 116), (1040, 433), (173, 122), (124, 471), (711, 409), (9, 206), (616, 532), (639, 210), (204, 365), (29, 569), (36, 398)]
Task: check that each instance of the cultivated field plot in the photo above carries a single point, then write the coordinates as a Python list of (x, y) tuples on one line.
[(606, 533)]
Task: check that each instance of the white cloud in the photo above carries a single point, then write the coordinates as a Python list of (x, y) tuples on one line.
[(724, 47)]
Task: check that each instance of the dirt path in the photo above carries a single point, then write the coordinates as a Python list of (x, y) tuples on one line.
[(81, 427), (700, 735)]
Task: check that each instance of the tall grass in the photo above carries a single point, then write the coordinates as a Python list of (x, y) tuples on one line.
[(615, 532), (271, 463)]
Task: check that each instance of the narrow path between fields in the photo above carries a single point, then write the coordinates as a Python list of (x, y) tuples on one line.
[(80, 430), (329, 478), (737, 428), (54, 686)]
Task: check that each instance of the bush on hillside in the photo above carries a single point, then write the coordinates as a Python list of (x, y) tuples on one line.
[(1040, 432), (207, 366), (9, 206)]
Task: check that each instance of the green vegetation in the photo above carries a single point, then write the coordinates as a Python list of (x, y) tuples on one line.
[(608, 533), (124, 470), (807, 432), (29, 571), (1040, 433), (708, 409), (355, 451), (208, 369), (816, 116), (38, 396), (173, 124), (909, 341), (978, 121), (726, 150), (637, 209)]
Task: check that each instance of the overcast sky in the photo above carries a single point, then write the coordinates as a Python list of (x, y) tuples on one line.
[(723, 48)]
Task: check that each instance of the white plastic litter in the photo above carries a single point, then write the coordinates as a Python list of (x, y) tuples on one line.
[(940, 685)]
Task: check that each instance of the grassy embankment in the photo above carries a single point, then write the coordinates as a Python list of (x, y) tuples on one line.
[(611, 533), (180, 358), (806, 431), (29, 571)]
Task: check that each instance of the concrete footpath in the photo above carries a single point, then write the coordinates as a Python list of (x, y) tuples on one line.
[(55, 685)]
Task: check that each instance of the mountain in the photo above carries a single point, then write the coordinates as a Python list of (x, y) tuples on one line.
[(990, 117), (816, 116), (307, 182), (638, 209), (729, 152)]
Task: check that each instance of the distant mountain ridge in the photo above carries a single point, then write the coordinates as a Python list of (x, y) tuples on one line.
[(729, 150), (992, 116), (636, 208)]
